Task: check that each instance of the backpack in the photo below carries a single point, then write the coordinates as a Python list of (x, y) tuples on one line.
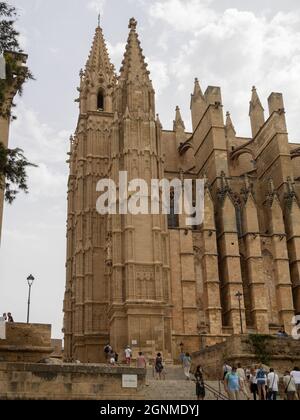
[(260, 374), (107, 349)]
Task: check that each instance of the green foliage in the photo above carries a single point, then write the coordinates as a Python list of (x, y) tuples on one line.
[(17, 74), (260, 347), (13, 176)]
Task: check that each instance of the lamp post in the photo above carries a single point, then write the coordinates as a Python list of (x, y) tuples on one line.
[(239, 296), (30, 281)]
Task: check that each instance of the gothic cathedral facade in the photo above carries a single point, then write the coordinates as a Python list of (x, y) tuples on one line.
[(149, 281)]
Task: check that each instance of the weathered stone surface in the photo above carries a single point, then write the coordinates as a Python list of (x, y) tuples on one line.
[(26, 343), (20, 381), (283, 355)]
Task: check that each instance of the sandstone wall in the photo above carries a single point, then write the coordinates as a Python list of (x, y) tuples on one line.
[(19, 381), (26, 343), (284, 354)]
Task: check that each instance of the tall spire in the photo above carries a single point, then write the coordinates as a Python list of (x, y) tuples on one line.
[(98, 79), (98, 61), (134, 67)]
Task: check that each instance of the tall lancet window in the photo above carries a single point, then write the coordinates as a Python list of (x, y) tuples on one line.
[(100, 101), (173, 219)]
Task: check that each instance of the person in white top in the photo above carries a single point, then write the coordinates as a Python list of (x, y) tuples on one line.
[(128, 355), (296, 375), (272, 381)]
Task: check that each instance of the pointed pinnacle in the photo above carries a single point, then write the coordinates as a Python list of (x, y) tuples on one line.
[(197, 88), (255, 101), (178, 119)]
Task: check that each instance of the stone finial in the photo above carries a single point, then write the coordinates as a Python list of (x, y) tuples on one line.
[(132, 24)]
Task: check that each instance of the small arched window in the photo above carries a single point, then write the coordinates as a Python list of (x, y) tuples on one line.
[(100, 101)]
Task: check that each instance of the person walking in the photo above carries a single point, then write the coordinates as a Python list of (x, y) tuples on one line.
[(243, 381), (159, 367), (296, 375), (273, 385), (261, 377), (233, 385), (187, 363), (253, 383), (128, 355), (226, 369), (200, 386), (290, 386), (141, 362)]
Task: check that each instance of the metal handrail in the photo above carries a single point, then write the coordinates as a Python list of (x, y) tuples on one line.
[(216, 393)]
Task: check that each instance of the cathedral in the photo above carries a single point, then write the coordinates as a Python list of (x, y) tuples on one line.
[(150, 281)]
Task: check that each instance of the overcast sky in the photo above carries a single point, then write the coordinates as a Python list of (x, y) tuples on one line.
[(234, 44)]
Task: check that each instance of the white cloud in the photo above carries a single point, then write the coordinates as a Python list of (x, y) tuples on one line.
[(116, 53), (234, 49), (96, 6), (46, 148), (160, 75)]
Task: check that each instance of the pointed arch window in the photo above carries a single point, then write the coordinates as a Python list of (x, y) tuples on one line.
[(100, 101), (173, 219)]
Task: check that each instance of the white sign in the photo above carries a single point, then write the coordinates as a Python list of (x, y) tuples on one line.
[(129, 381), (2, 330), (134, 342)]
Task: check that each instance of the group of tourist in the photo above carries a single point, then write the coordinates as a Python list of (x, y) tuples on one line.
[(112, 357), (7, 318), (262, 384)]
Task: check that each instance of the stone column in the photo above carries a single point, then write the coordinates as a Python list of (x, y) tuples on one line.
[(254, 263), (281, 261), (211, 277)]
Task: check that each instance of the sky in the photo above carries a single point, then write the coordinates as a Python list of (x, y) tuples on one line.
[(234, 44)]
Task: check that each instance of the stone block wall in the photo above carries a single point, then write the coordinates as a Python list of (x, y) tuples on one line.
[(283, 354), (19, 381), (26, 343)]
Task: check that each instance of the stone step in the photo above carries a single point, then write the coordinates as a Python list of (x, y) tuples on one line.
[(175, 390)]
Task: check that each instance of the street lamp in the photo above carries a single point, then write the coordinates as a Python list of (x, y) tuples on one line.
[(239, 296), (30, 281)]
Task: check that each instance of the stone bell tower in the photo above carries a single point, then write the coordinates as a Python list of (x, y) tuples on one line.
[(86, 296), (140, 295)]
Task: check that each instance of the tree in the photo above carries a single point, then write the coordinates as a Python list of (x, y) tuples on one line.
[(13, 163), (16, 73), (8, 34)]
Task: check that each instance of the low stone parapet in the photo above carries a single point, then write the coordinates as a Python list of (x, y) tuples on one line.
[(26, 343), (21, 381), (280, 353)]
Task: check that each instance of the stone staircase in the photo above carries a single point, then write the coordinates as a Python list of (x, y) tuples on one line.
[(175, 387)]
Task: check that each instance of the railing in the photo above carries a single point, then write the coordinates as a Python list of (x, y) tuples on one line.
[(217, 394)]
